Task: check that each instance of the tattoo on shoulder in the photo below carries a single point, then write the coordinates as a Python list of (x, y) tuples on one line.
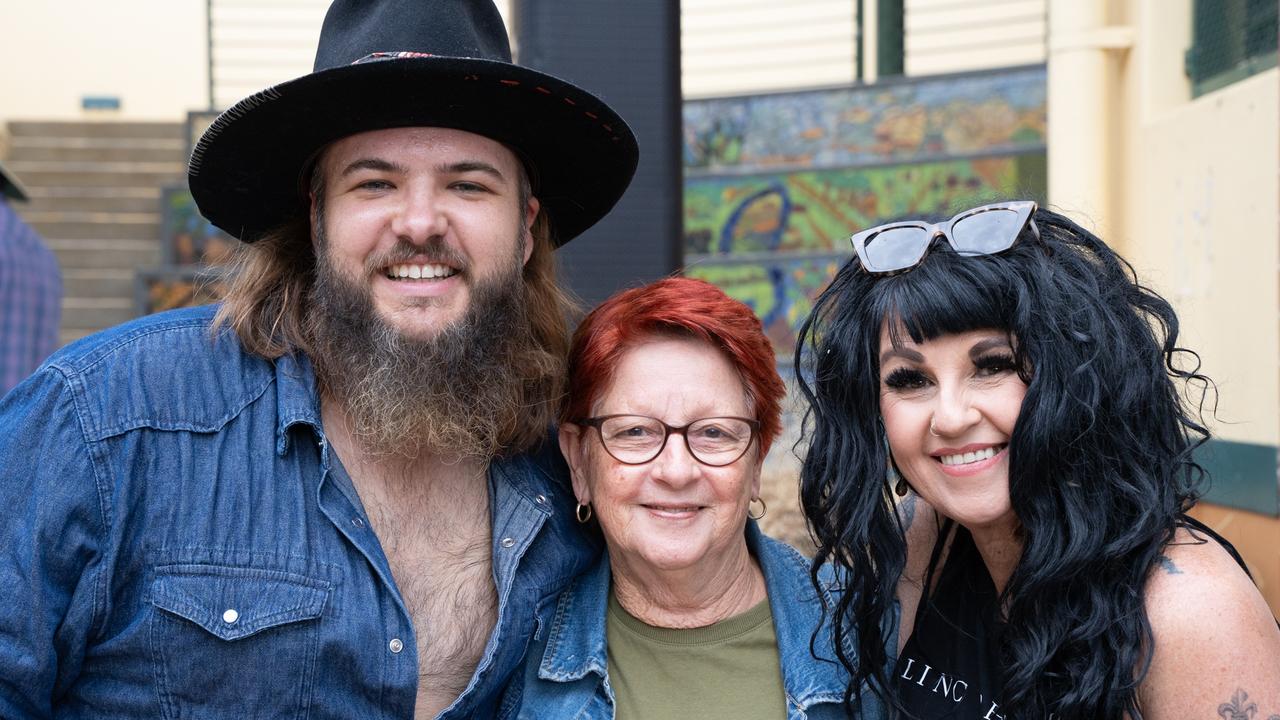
[(1240, 708), (1168, 565)]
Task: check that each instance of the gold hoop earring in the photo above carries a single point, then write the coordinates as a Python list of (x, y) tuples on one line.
[(763, 508), (583, 513)]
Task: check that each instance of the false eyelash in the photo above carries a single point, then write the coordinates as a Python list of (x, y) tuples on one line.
[(905, 379), (996, 362)]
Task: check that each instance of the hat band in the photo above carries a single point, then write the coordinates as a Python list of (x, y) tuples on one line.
[(380, 56)]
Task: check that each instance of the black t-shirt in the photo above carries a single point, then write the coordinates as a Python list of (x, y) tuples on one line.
[(949, 668)]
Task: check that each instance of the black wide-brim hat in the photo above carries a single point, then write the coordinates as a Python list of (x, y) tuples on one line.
[(408, 63)]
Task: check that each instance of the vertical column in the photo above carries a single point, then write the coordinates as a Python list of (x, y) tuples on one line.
[(1083, 107), (628, 53)]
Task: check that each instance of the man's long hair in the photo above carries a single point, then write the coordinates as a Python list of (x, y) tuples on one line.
[(1101, 465), (267, 306)]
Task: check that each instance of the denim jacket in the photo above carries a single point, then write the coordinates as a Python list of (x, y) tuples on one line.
[(566, 671), (174, 545)]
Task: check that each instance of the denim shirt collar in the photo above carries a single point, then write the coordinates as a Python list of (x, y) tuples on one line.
[(576, 639), (297, 398)]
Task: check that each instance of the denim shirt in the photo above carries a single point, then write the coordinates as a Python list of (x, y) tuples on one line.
[(173, 544), (566, 671)]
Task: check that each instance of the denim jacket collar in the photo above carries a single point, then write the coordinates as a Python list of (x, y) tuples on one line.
[(576, 640)]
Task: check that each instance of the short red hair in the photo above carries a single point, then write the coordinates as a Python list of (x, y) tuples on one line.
[(681, 307)]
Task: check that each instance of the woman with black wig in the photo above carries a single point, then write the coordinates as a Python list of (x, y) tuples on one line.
[(1000, 464)]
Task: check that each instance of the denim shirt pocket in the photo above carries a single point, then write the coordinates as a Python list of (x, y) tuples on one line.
[(234, 642)]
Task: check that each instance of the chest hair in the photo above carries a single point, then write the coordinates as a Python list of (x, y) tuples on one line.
[(437, 539)]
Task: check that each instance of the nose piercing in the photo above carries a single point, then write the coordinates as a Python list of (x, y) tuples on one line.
[(932, 431)]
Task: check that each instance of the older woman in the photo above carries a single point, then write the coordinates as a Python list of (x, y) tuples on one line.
[(1005, 372), (673, 403)]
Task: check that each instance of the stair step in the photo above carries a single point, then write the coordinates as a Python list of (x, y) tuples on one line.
[(90, 205), (100, 282), (169, 175), (91, 200), (96, 312), (33, 217), (23, 149), (115, 129), (105, 254), (119, 230)]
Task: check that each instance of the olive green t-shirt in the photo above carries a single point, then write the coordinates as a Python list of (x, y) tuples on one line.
[(727, 670)]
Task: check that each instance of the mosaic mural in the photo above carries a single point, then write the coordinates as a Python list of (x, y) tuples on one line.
[(780, 291), (896, 122), (816, 211), (775, 184)]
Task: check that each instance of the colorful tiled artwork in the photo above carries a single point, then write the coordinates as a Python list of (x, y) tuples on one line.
[(902, 121), (775, 184), (816, 211), (780, 291)]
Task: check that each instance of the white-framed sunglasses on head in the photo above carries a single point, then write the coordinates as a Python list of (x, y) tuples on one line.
[(985, 230)]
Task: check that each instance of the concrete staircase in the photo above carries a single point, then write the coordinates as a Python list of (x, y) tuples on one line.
[(95, 198)]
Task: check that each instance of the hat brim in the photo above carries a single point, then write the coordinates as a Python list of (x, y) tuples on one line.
[(246, 172)]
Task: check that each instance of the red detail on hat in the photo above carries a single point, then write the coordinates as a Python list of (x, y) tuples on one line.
[(512, 83), (570, 101), (591, 115), (542, 90)]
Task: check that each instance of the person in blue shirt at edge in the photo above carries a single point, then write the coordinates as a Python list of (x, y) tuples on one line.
[(330, 497), (674, 399)]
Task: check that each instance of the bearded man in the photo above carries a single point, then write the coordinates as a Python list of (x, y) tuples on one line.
[(328, 497)]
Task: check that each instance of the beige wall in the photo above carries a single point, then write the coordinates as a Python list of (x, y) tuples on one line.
[(149, 53), (1188, 189), (743, 46), (1201, 223), (944, 36), (152, 54)]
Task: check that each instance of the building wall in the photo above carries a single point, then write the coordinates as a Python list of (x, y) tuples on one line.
[(733, 47), (944, 36), (148, 53), (1188, 189), (151, 54)]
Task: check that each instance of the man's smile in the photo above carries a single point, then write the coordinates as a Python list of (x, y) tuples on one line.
[(430, 271)]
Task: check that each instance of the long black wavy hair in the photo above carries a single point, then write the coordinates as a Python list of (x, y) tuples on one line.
[(1100, 459)]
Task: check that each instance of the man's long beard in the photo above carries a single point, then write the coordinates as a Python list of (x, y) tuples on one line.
[(465, 392)]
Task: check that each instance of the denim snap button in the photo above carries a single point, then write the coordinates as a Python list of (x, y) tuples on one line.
[(230, 616), (395, 646)]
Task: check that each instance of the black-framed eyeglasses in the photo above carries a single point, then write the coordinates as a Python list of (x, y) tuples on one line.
[(638, 439), (986, 230)]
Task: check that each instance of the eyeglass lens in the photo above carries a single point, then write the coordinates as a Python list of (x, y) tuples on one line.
[(896, 248), (638, 439), (987, 232)]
